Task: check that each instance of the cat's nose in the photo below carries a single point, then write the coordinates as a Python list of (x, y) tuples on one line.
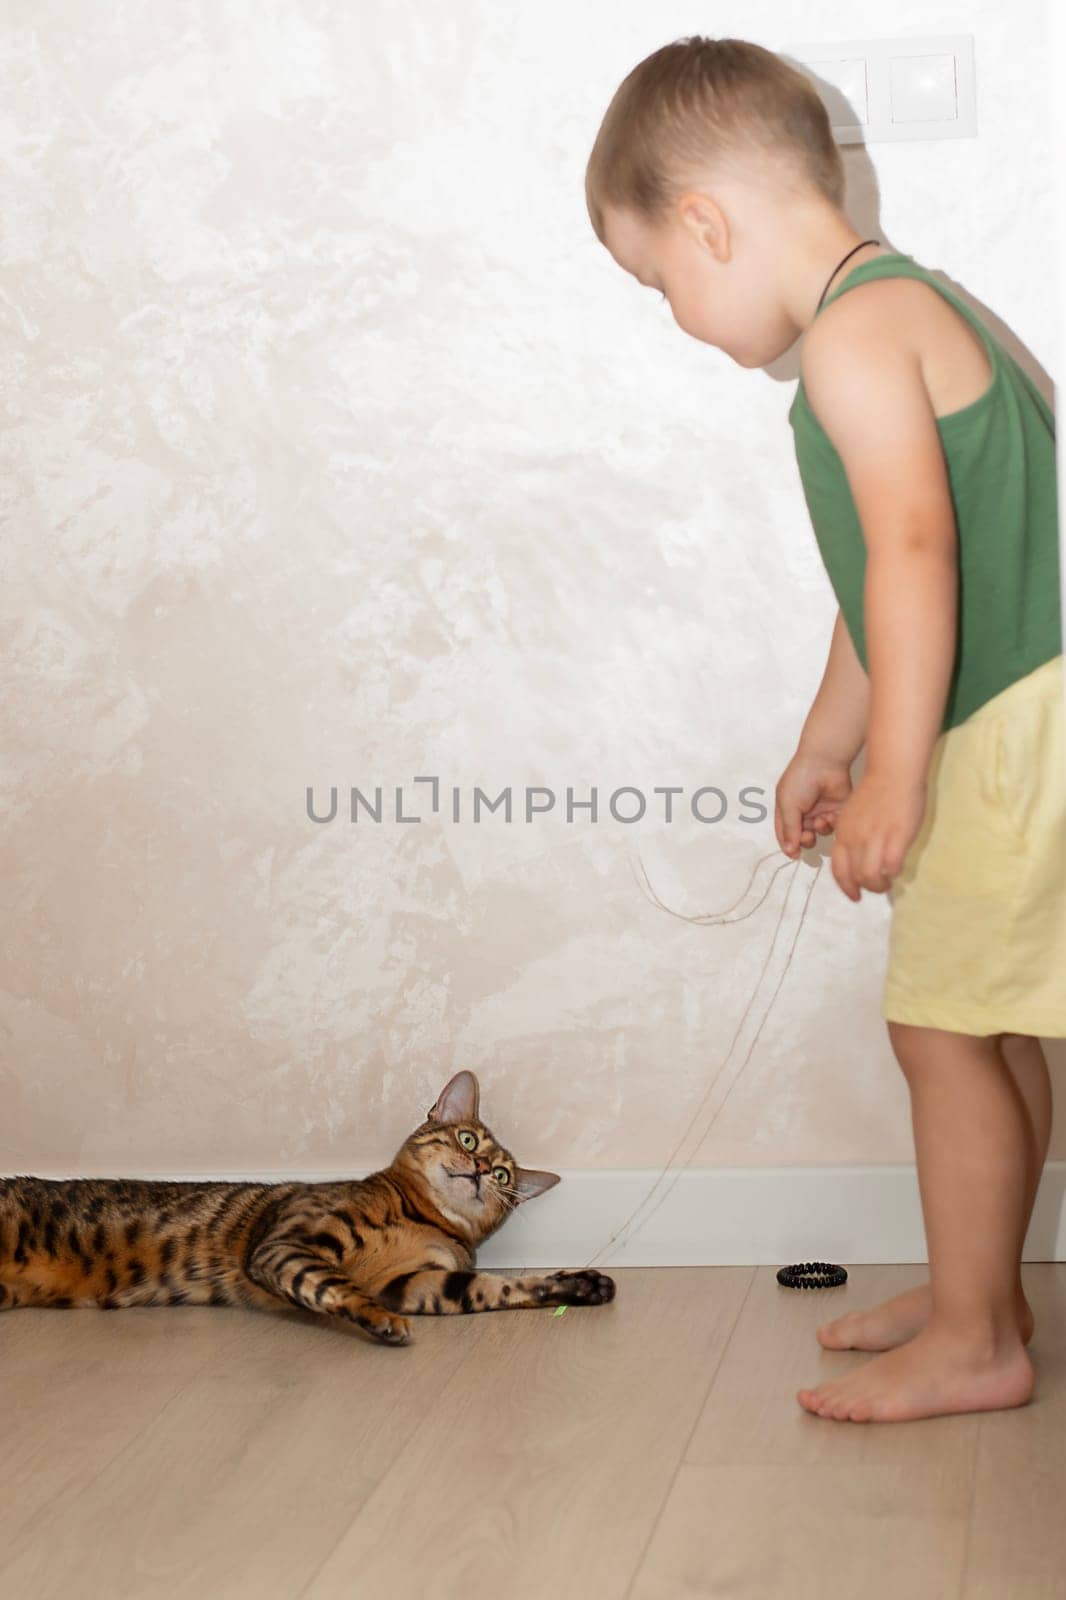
[(481, 1164)]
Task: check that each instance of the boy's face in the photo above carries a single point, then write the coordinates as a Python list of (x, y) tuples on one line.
[(717, 295)]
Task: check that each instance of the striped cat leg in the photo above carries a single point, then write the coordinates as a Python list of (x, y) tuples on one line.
[(438, 1292), (289, 1269)]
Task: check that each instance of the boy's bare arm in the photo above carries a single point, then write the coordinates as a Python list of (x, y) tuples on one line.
[(864, 379), (817, 781), (836, 723)]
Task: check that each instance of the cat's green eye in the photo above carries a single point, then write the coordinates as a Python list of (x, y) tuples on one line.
[(467, 1139), (501, 1175)]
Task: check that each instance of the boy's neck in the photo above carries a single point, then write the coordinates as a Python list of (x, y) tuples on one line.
[(799, 241), (823, 238)]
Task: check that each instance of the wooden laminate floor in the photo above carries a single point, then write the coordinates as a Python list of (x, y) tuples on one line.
[(648, 1450)]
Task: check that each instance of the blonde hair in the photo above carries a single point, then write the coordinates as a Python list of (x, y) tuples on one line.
[(699, 103)]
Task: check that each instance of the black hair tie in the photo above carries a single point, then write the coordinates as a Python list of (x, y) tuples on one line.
[(812, 1275)]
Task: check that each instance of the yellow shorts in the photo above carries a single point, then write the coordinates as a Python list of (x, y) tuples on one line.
[(977, 940)]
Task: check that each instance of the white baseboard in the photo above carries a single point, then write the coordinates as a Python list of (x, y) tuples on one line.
[(716, 1217), (744, 1216)]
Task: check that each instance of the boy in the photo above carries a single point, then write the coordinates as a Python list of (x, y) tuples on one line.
[(927, 461)]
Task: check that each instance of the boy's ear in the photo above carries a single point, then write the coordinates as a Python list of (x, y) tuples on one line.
[(529, 1182), (704, 219), (457, 1101)]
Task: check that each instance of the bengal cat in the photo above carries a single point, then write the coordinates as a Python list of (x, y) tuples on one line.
[(402, 1240)]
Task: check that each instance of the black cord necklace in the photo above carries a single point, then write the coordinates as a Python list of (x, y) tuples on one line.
[(838, 266)]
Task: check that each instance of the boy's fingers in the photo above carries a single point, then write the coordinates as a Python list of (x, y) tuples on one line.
[(893, 860), (843, 871), (786, 822), (875, 877)]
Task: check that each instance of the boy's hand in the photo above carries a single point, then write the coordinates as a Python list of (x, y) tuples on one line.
[(810, 795), (874, 832)]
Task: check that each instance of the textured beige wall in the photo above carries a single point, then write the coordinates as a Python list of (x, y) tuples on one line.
[(338, 453)]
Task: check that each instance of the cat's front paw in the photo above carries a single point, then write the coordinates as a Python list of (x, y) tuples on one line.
[(583, 1286), (383, 1326)]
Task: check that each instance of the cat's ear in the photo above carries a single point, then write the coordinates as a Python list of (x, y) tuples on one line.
[(457, 1101), (528, 1183)]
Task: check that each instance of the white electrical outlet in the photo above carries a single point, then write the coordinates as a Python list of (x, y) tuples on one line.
[(893, 88)]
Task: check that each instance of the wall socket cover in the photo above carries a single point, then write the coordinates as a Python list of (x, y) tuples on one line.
[(875, 89)]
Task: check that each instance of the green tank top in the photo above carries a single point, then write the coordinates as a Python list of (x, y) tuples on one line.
[(1000, 455)]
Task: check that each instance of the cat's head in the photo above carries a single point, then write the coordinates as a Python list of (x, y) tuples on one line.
[(470, 1175)]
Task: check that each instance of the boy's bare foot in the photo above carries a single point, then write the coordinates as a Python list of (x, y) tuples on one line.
[(932, 1375), (895, 1321)]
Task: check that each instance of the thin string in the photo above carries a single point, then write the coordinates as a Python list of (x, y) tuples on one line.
[(630, 1227), (710, 919)]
